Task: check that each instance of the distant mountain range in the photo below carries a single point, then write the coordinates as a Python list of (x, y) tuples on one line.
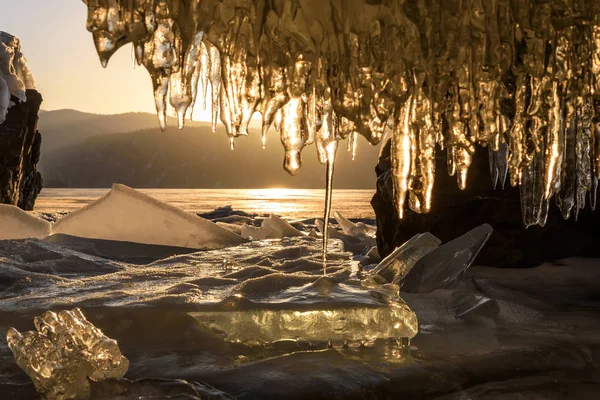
[(82, 150)]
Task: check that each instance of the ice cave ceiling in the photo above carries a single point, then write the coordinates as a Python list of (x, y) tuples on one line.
[(518, 76)]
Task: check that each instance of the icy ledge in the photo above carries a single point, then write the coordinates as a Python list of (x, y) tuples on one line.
[(15, 77)]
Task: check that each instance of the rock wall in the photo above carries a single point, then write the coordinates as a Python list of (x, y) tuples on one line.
[(20, 143), (455, 212)]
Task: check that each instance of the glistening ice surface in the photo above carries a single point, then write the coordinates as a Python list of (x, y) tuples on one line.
[(520, 77), (64, 352)]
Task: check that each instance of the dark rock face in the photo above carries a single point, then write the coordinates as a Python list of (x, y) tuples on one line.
[(455, 212), (20, 143)]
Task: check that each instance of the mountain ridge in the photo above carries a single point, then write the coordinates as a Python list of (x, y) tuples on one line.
[(82, 150)]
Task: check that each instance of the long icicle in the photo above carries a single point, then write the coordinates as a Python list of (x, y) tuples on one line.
[(328, 198)]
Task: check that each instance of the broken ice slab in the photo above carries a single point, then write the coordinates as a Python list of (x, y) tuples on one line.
[(273, 227), (395, 267), (354, 229), (18, 224), (64, 352), (321, 311), (355, 244), (442, 267), (127, 215)]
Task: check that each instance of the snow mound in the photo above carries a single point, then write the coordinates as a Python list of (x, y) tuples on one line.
[(272, 228), (125, 214), (18, 224)]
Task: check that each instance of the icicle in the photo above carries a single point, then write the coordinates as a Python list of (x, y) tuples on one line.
[(401, 156), (498, 164), (327, 145), (204, 73), (514, 76), (328, 198), (214, 76), (352, 144), (293, 133)]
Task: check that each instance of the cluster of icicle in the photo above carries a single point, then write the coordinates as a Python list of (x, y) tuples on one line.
[(15, 77), (518, 76)]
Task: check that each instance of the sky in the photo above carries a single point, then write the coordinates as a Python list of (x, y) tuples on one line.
[(65, 65)]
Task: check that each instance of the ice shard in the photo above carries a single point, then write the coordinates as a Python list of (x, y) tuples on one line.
[(519, 76), (18, 224), (127, 215), (396, 266), (273, 227), (442, 267), (359, 229), (64, 353)]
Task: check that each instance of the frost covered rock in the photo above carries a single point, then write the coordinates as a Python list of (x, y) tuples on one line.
[(64, 352), (273, 227), (442, 267), (15, 77), (18, 224), (125, 214)]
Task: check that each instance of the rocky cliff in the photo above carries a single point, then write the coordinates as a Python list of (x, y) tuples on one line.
[(20, 143)]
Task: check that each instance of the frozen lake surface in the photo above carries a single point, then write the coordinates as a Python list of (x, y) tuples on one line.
[(216, 316), (288, 203)]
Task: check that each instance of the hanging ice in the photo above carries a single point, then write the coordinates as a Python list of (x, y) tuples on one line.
[(64, 352), (15, 77), (18, 224), (128, 215), (521, 77)]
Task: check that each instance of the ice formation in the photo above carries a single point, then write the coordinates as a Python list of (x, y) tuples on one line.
[(18, 224), (273, 227), (520, 77), (125, 214), (396, 266), (442, 267), (359, 229), (64, 352), (323, 310), (15, 77)]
